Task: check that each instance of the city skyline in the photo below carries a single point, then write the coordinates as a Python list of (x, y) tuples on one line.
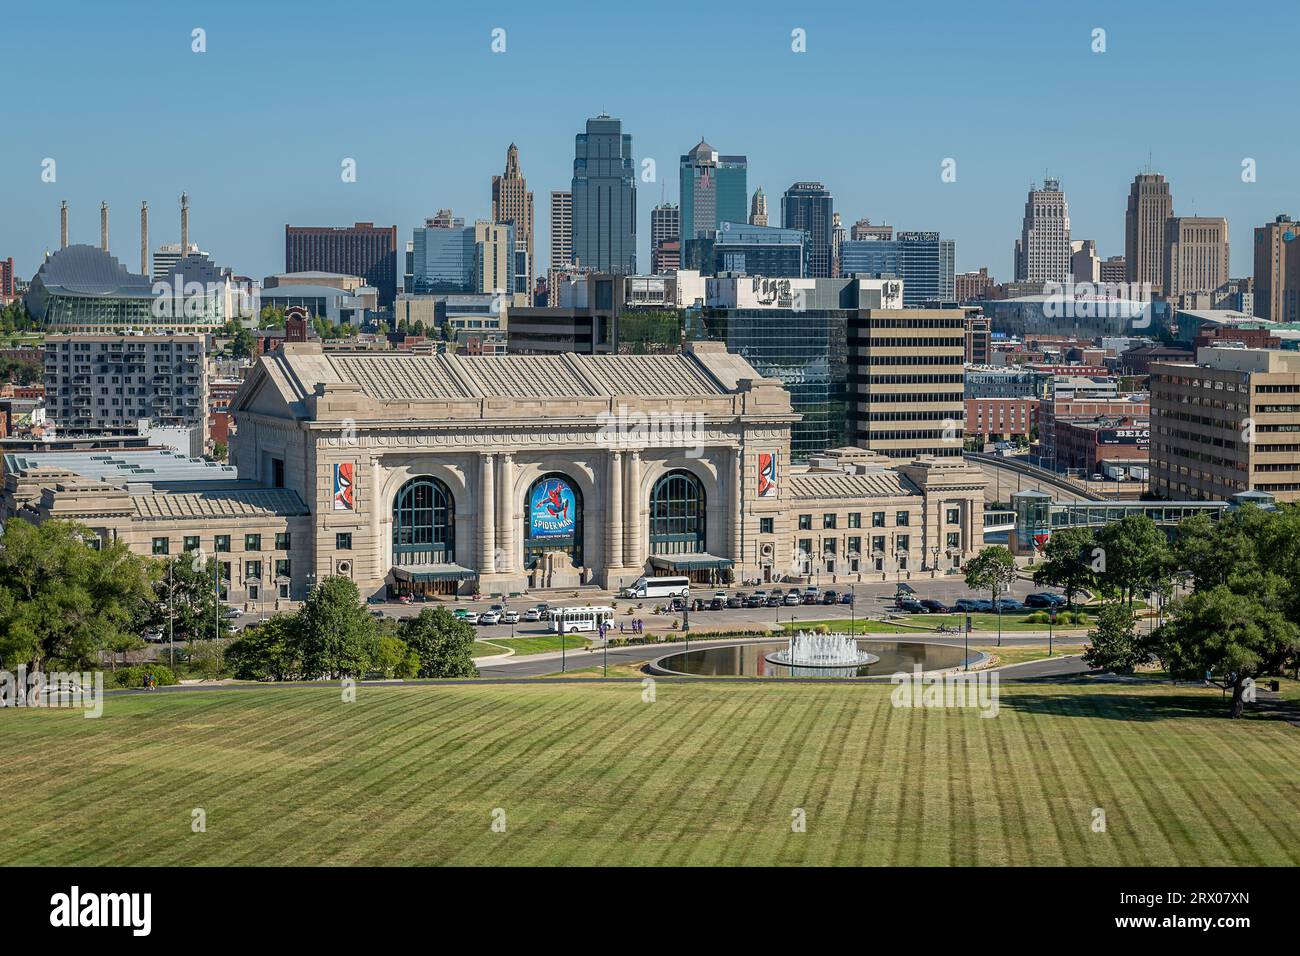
[(246, 183)]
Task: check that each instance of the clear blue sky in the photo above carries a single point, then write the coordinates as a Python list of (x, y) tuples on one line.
[(255, 129)]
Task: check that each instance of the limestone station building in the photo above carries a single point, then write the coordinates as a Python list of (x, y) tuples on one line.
[(453, 474)]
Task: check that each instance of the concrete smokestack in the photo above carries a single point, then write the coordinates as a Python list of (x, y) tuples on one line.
[(185, 225), (103, 226), (63, 224), (144, 238)]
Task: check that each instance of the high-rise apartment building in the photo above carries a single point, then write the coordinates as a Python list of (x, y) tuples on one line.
[(604, 198), (1196, 254), (1085, 266), (1277, 271), (810, 207), (6, 280), (494, 257), (713, 189), (513, 203), (1113, 270), (363, 249), (758, 208), (1228, 424), (906, 380), (561, 228), (972, 285), (665, 227), (1150, 203), (1043, 249)]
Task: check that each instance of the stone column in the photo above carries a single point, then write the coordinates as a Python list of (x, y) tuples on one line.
[(487, 538), (737, 504), (506, 526), (633, 549), (614, 512)]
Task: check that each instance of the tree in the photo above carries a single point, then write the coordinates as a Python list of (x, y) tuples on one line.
[(1115, 644), (338, 635), (442, 642), (992, 570), (1227, 638), (243, 345), (269, 650), (62, 599), (1135, 558), (186, 605), (1067, 562), (394, 659)]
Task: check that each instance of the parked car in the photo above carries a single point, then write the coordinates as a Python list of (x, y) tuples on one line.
[(1045, 599), (376, 599), (698, 604), (846, 597), (470, 617), (510, 617), (677, 605), (736, 600), (774, 599), (936, 607), (718, 604), (1009, 604), (490, 617), (376, 613), (971, 606), (757, 599), (792, 599), (154, 637), (830, 597), (910, 605), (532, 614), (810, 595), (403, 599), (230, 613)]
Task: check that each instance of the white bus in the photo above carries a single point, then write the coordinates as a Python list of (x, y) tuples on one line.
[(570, 620), (658, 587)]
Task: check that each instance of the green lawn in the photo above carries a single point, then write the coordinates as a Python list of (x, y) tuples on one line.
[(542, 643), (592, 774)]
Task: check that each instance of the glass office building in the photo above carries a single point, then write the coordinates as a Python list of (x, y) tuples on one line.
[(748, 250), (808, 351), (443, 260), (604, 198), (921, 259)]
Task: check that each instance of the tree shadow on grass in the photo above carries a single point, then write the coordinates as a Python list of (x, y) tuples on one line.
[(1118, 701)]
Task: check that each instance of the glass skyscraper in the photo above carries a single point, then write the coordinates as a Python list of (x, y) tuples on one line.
[(604, 198), (714, 190), (921, 259), (749, 250), (443, 259), (810, 208)]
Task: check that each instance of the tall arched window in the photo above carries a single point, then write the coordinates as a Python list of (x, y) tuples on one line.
[(553, 519), (424, 523), (677, 509)]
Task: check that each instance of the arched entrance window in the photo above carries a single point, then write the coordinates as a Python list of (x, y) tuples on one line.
[(677, 508), (553, 519), (424, 523)]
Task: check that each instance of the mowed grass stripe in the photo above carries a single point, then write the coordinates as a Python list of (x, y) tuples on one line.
[(709, 773)]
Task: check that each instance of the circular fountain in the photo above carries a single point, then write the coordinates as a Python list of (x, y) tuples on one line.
[(822, 650)]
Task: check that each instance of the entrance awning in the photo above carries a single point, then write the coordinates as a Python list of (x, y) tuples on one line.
[(689, 562), (419, 573)]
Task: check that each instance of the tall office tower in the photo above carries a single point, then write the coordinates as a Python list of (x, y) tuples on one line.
[(1277, 270), (713, 189), (906, 375), (166, 256), (363, 249), (494, 257), (1150, 203), (445, 219), (922, 260), (513, 203), (1196, 254), (1084, 264), (863, 229), (7, 291), (1043, 249), (810, 207), (665, 227), (758, 208), (561, 228), (604, 197), (838, 237)]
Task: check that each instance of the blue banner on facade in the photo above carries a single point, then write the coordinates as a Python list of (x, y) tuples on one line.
[(552, 510)]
